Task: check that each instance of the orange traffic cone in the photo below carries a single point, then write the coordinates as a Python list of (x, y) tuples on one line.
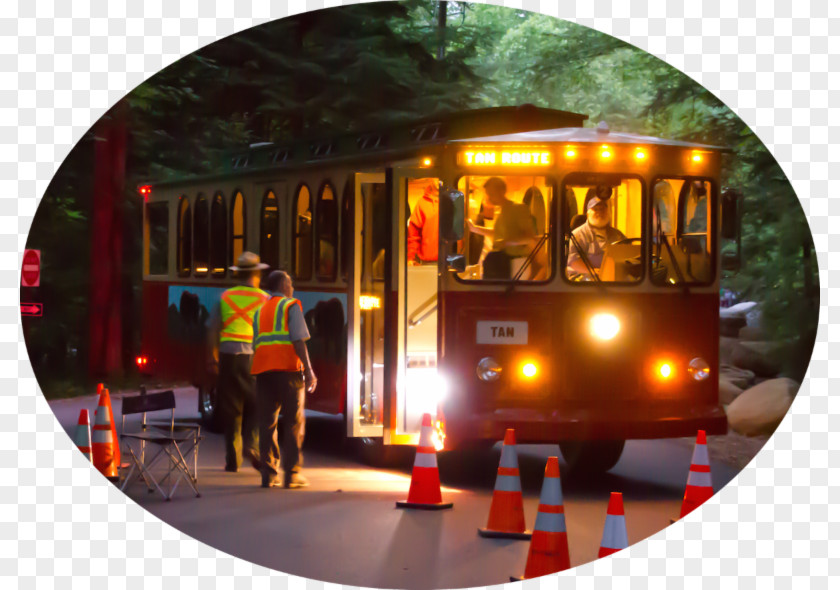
[(698, 489), (82, 436), (615, 529), (549, 550), (104, 442), (100, 387), (507, 517), (424, 491)]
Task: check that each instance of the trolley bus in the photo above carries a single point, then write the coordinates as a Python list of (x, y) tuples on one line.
[(426, 290)]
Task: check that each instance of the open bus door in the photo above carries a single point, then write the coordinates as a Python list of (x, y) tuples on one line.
[(392, 336)]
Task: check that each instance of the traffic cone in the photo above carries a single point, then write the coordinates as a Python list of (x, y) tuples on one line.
[(100, 387), (82, 435), (424, 492), (549, 550), (615, 529), (104, 441), (507, 517), (698, 489)]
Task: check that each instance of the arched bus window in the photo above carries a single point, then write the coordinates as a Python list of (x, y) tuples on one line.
[(327, 228), (270, 231), (218, 236), (347, 226), (237, 226), (201, 240), (302, 234), (184, 237)]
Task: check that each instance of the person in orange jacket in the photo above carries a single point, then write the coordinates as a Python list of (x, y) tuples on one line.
[(422, 240)]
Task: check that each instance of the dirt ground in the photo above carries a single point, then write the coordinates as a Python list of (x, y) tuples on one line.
[(733, 449)]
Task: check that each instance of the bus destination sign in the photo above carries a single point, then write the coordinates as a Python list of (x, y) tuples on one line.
[(503, 157)]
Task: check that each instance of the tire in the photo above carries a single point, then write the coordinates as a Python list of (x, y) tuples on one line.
[(592, 456), (208, 408), (371, 451)]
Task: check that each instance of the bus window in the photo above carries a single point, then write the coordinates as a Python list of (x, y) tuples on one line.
[(607, 244), (201, 239), (327, 228), (237, 226), (270, 231), (302, 235), (184, 237), (346, 226), (510, 228), (684, 253), (218, 233), (157, 216)]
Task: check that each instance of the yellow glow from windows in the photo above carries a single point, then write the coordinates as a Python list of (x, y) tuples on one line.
[(367, 302), (529, 370), (200, 269), (505, 158)]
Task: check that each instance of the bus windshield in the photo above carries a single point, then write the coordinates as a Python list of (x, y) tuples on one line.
[(604, 241), (509, 227)]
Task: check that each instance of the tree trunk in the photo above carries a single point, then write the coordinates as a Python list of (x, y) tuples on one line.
[(105, 317), (443, 7)]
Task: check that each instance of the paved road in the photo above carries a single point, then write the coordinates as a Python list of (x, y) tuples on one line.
[(345, 528)]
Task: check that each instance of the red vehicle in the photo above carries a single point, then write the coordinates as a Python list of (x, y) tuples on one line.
[(505, 317)]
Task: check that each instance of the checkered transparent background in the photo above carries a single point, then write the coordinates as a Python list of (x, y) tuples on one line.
[(63, 65)]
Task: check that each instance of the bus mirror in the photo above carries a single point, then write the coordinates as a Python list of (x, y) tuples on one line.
[(456, 262), (730, 226), (451, 215)]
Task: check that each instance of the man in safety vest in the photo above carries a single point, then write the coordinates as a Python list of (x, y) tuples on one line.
[(232, 327), (281, 364)]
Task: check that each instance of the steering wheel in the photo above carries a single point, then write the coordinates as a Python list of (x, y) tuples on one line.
[(629, 241)]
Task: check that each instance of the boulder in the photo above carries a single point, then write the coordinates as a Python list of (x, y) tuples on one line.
[(740, 378), (752, 334), (730, 326), (762, 358), (760, 409), (727, 391), (739, 310), (726, 346)]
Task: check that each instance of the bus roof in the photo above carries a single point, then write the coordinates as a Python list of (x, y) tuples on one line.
[(577, 135)]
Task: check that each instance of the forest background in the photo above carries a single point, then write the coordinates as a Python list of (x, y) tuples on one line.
[(362, 67)]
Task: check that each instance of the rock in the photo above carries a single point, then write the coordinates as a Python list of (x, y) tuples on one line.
[(753, 318), (727, 391), (760, 409), (726, 346), (752, 334), (730, 326), (740, 378), (738, 310), (762, 358)]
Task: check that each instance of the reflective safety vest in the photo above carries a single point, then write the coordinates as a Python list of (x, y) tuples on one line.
[(273, 349), (238, 306)]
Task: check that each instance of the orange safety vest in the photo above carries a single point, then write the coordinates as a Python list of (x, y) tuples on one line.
[(238, 306), (273, 349)]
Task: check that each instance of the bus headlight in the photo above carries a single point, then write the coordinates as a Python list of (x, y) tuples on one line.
[(699, 369), (604, 326), (488, 369)]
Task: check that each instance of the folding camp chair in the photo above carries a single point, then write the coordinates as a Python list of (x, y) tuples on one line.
[(173, 442)]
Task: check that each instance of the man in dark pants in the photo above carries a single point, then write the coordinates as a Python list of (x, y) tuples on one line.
[(284, 373), (232, 328)]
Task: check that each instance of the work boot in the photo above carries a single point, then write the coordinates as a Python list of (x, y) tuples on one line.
[(295, 480)]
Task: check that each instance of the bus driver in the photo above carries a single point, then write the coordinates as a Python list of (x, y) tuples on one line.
[(593, 236)]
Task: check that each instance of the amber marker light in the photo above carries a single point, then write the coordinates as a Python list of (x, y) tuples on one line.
[(605, 152), (571, 153), (696, 157), (664, 370), (427, 162), (641, 154), (529, 370)]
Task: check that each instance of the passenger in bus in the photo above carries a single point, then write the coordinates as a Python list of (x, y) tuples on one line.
[(231, 350), (592, 237), (513, 232), (422, 240), (284, 373)]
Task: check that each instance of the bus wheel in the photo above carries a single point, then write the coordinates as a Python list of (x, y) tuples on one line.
[(591, 456), (208, 408), (371, 451)]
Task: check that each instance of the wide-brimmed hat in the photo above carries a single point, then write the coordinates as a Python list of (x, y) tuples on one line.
[(248, 261)]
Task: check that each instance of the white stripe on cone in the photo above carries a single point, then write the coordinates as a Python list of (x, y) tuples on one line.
[(700, 479), (550, 522), (701, 455), (551, 494), (508, 483), (509, 459), (425, 460), (615, 532)]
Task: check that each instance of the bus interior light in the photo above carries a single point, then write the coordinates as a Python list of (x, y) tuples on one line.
[(604, 326)]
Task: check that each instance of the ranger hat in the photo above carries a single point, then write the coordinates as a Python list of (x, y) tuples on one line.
[(248, 261)]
